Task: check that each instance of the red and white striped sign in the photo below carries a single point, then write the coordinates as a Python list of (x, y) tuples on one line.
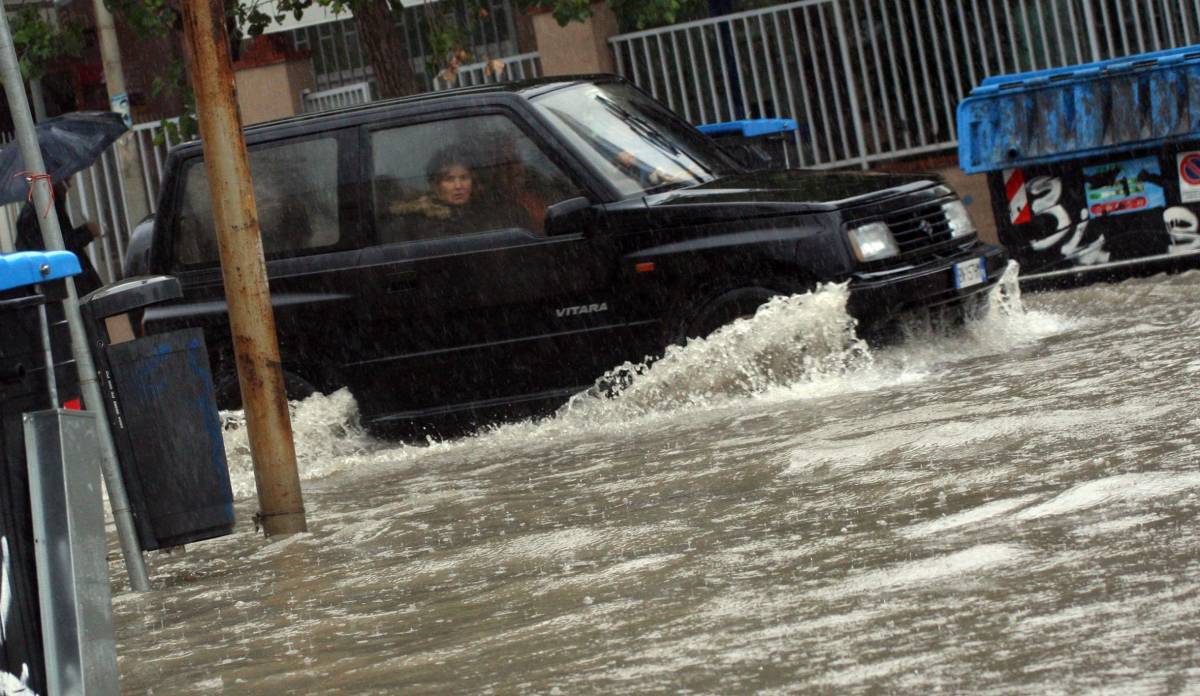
[(1019, 208)]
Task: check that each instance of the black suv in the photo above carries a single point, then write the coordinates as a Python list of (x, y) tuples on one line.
[(483, 253)]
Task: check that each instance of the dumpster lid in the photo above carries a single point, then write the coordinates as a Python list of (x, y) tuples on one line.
[(1081, 110), (33, 267), (129, 294), (749, 127)]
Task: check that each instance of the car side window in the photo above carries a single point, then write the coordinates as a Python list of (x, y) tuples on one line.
[(460, 176), (295, 189)]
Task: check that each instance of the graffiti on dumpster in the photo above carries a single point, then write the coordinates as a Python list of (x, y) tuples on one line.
[(9, 683), (1069, 216), (1115, 188), (1046, 192), (1183, 228)]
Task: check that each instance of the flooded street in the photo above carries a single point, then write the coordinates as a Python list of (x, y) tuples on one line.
[(1013, 509)]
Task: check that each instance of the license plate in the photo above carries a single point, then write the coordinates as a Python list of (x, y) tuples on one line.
[(968, 273)]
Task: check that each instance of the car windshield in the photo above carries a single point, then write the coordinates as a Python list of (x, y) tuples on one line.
[(632, 140)]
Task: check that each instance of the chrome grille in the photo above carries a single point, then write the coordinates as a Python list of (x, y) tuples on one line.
[(918, 230)]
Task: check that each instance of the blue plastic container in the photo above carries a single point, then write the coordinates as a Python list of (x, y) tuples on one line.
[(1094, 170), (759, 143), (1075, 112)]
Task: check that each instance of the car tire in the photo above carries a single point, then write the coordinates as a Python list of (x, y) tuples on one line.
[(723, 309), (229, 395)]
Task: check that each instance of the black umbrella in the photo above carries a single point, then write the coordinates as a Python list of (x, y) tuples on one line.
[(70, 143)]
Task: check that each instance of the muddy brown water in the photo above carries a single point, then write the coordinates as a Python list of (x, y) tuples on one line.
[(1011, 509)]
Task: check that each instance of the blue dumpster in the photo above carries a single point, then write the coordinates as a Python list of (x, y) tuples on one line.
[(757, 143), (1094, 170), (22, 389)]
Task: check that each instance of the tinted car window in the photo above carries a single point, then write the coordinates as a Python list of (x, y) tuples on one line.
[(296, 189), (459, 176)]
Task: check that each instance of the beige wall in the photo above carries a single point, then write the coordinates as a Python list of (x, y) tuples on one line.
[(268, 92), (579, 47), (973, 189)]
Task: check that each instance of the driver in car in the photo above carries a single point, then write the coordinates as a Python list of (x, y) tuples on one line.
[(648, 176)]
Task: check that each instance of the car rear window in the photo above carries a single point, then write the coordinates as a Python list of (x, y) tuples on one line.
[(295, 188)]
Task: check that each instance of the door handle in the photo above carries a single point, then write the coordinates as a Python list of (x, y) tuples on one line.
[(403, 281)]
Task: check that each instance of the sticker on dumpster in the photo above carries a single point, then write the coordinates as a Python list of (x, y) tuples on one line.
[(1189, 176), (1124, 187), (1019, 209)]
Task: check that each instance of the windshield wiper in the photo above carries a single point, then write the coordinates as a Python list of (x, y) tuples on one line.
[(652, 135), (640, 126)]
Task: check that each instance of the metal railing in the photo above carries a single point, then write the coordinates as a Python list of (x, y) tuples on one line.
[(518, 67), (337, 97), (100, 193), (869, 80)]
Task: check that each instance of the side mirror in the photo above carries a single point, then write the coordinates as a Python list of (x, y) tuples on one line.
[(572, 215)]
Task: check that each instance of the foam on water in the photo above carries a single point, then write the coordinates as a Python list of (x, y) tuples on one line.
[(1123, 488), (983, 513), (794, 348), (804, 347), (327, 434), (970, 563)]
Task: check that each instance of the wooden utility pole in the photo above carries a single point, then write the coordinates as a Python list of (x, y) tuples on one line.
[(245, 272)]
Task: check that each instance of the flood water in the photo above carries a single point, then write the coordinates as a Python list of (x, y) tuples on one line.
[(1010, 509)]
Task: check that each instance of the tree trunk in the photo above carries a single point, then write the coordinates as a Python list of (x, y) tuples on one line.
[(386, 48)]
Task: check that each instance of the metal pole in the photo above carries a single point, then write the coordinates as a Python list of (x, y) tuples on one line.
[(39, 100), (44, 327), (1090, 22), (136, 207), (31, 153), (251, 319), (36, 94), (855, 109)]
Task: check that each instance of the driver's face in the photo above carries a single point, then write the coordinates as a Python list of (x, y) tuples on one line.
[(453, 187)]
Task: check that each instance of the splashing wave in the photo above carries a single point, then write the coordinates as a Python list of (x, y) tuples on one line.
[(796, 347)]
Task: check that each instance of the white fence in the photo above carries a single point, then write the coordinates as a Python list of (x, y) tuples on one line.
[(870, 80), (339, 57), (336, 98), (518, 67)]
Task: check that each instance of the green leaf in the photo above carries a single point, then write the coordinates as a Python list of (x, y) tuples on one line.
[(38, 44)]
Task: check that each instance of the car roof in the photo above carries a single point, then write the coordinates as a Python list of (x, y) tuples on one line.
[(359, 113)]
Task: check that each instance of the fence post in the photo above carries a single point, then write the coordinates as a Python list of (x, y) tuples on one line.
[(851, 83), (1089, 21)]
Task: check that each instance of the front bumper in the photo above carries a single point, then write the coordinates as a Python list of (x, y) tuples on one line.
[(881, 298)]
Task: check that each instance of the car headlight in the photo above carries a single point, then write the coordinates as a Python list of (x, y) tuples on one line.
[(959, 219), (873, 241)]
